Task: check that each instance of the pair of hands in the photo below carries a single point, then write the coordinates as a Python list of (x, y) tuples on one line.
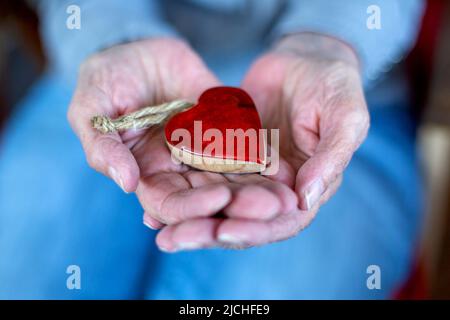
[(308, 86)]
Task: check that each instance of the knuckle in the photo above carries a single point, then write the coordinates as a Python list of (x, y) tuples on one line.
[(356, 117), (94, 150), (95, 71), (362, 124), (355, 127), (86, 65), (151, 211)]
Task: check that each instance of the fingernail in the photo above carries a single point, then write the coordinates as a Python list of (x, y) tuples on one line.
[(147, 223), (116, 177), (221, 202), (313, 193), (229, 239), (149, 226), (166, 250), (189, 246)]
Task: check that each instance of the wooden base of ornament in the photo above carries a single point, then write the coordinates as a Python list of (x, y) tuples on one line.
[(219, 165)]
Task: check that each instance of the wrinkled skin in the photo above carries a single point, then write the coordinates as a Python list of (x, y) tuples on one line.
[(316, 101)]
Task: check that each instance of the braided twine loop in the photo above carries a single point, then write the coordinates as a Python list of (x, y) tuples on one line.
[(140, 119)]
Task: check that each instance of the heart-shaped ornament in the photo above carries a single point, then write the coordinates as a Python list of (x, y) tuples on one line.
[(221, 133)]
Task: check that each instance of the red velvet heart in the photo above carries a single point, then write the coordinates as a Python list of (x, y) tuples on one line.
[(220, 118)]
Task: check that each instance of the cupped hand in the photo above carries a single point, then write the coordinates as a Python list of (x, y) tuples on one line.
[(310, 89), (182, 201)]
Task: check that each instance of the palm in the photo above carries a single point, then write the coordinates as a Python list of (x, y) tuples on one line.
[(318, 104), (299, 99), (298, 125), (125, 78)]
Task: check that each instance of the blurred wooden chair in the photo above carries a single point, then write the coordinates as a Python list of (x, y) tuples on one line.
[(434, 139), (21, 55), (429, 66)]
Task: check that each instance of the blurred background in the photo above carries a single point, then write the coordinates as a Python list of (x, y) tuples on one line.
[(22, 61)]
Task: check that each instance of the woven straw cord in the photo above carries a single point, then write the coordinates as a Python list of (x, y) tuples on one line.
[(141, 119)]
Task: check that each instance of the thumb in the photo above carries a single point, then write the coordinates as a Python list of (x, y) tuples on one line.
[(108, 155), (333, 153), (105, 153)]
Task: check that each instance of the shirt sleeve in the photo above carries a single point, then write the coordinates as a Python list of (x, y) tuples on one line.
[(103, 23), (378, 49)]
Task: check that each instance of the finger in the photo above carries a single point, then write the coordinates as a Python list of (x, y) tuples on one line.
[(104, 152), (189, 235), (239, 233), (154, 156), (338, 141), (252, 202), (185, 75), (203, 178), (169, 198), (249, 200), (97, 93), (198, 77), (235, 233), (279, 169), (152, 223), (286, 197), (331, 190), (231, 233)]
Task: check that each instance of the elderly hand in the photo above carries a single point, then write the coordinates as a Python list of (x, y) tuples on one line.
[(308, 87), (182, 201)]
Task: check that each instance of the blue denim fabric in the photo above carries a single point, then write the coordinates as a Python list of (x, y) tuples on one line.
[(56, 212)]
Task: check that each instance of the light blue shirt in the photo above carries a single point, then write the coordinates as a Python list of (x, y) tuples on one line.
[(222, 28)]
